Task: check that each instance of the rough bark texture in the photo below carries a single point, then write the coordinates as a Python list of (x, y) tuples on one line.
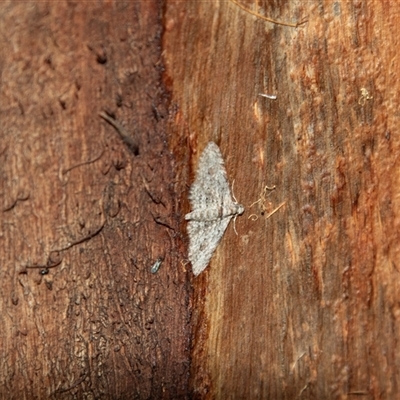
[(83, 217), (303, 303)]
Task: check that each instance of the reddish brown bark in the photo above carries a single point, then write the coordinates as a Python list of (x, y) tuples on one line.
[(83, 217), (304, 303)]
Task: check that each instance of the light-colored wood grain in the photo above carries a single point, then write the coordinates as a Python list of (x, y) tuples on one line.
[(305, 303)]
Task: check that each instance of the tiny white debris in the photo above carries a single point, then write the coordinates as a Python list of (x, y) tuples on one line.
[(268, 96), (156, 266), (213, 208)]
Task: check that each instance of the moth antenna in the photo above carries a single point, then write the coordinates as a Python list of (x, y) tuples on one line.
[(234, 224), (234, 197)]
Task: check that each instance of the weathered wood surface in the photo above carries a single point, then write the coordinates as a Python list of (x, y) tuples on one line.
[(83, 218), (304, 303)]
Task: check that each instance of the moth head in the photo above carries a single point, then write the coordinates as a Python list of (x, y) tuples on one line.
[(240, 209)]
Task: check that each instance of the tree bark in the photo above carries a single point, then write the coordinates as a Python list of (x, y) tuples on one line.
[(85, 216), (303, 303)]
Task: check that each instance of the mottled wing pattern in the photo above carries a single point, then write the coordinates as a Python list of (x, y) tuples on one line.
[(204, 238), (211, 187), (210, 197)]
